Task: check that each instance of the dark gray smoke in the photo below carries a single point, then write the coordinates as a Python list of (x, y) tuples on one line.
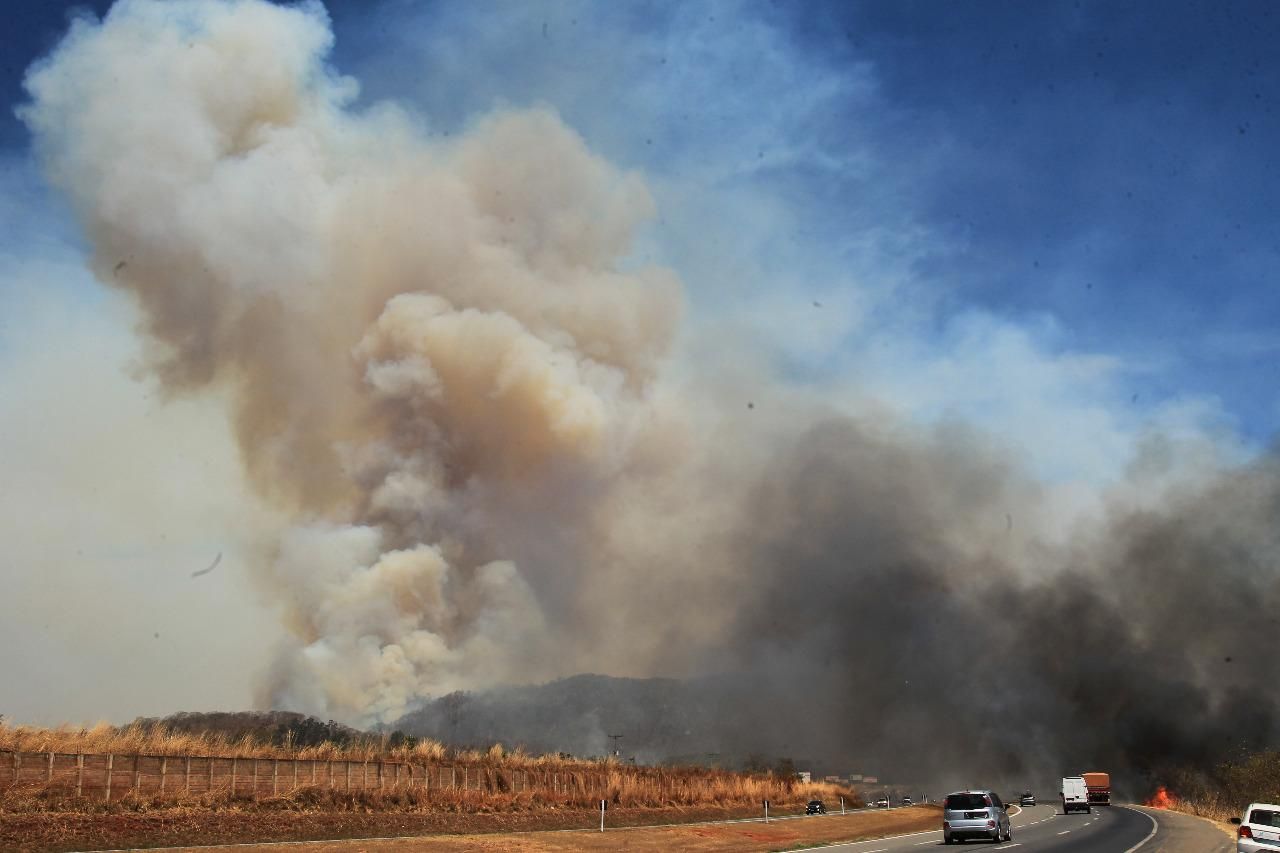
[(880, 616)]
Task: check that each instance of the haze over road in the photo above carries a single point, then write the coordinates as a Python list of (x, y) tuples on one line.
[(1119, 829)]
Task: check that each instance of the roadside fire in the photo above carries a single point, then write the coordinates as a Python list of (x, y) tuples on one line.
[(1161, 799)]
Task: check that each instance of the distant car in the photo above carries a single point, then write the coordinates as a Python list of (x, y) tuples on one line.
[(1027, 799), (975, 814), (815, 807), (882, 803), (1259, 830), (907, 801)]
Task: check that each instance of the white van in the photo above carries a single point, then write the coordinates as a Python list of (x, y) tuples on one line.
[(1075, 797)]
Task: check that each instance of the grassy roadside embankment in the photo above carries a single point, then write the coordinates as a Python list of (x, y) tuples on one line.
[(1224, 791), (753, 837)]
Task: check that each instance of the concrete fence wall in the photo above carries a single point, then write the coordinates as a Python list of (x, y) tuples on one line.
[(109, 777)]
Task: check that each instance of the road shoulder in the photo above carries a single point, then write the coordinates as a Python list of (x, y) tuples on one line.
[(1184, 833)]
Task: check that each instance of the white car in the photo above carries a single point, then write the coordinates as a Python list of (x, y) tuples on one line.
[(1259, 830)]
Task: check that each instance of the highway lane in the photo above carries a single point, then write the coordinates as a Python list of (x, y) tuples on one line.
[(1044, 828)]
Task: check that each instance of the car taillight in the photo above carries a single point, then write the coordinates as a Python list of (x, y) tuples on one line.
[(991, 824), (1245, 832), (946, 824)]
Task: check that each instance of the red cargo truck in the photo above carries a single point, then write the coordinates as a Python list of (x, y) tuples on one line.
[(1098, 786)]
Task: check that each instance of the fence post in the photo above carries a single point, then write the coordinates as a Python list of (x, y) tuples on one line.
[(295, 774), (111, 759), (137, 776), (186, 778), (80, 774), (313, 772), (210, 775), (275, 776), (164, 769), (255, 778), (17, 764), (48, 776), (234, 762)]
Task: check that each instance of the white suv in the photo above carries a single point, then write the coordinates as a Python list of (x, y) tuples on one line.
[(1259, 828)]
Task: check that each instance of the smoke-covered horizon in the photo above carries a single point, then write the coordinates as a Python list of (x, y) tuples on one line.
[(499, 447)]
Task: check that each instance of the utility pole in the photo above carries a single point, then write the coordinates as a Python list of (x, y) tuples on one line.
[(616, 738)]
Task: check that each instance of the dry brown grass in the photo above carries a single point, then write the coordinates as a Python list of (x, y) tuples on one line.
[(104, 738), (558, 782), (697, 786), (1223, 791)]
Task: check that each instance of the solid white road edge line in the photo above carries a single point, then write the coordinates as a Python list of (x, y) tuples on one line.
[(1155, 827)]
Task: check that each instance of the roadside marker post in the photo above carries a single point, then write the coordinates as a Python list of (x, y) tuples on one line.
[(766, 811), (842, 805), (604, 804)]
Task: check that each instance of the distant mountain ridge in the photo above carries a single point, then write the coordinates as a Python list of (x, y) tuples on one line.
[(661, 720)]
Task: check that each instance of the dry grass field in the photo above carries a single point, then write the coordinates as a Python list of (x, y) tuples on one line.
[(104, 786)]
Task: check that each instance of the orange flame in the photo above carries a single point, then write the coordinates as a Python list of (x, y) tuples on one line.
[(1161, 799)]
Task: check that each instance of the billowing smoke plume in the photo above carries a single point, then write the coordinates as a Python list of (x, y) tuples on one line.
[(444, 364), (421, 339)]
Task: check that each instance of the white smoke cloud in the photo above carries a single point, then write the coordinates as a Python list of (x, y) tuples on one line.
[(409, 330)]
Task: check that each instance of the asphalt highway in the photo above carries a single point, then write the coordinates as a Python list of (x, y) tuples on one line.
[(1118, 829)]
